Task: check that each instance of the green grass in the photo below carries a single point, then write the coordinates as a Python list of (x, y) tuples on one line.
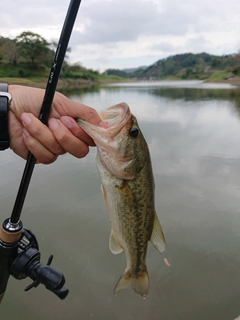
[(219, 76)]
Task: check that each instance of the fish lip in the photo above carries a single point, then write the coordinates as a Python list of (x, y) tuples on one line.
[(114, 117), (121, 107)]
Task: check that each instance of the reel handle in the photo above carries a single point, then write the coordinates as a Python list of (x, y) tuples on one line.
[(20, 257), (27, 264)]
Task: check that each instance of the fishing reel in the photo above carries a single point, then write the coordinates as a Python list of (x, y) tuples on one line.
[(19, 255), (22, 259)]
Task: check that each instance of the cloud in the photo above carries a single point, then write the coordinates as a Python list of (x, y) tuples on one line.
[(118, 33), (163, 47), (33, 14), (117, 21)]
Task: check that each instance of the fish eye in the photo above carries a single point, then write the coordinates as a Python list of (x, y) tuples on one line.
[(133, 132)]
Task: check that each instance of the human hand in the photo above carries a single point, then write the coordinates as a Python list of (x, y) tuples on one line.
[(28, 133)]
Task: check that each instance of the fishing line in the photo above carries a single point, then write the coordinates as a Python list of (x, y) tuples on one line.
[(46, 104)]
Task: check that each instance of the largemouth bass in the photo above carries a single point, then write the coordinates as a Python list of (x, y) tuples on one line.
[(124, 165)]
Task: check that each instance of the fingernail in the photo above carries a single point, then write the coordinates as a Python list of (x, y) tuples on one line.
[(25, 132), (53, 124), (67, 121), (25, 119)]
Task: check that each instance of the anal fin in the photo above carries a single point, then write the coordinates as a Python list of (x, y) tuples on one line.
[(157, 237), (114, 244)]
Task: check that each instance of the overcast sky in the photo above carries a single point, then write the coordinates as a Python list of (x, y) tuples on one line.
[(130, 33)]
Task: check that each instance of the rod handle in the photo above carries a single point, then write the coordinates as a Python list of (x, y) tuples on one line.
[(10, 237), (8, 250)]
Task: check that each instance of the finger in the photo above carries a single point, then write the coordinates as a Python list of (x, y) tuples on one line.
[(42, 154), (41, 133), (90, 115), (67, 140), (78, 132), (67, 107)]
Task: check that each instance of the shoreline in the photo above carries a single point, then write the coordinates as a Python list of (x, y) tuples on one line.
[(232, 81), (63, 84), (75, 84)]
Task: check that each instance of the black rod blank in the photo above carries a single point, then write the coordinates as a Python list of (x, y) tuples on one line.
[(47, 102)]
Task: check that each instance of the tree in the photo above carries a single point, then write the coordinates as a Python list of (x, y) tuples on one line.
[(53, 46), (8, 51), (31, 46)]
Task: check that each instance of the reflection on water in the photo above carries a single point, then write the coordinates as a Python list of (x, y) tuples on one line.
[(193, 131), (175, 84)]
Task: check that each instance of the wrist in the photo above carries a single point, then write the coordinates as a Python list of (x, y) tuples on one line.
[(5, 99)]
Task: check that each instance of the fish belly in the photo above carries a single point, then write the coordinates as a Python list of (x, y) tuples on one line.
[(130, 206)]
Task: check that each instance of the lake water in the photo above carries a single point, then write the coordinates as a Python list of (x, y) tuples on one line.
[(193, 132)]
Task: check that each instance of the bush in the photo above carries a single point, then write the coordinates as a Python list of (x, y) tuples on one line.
[(236, 71)]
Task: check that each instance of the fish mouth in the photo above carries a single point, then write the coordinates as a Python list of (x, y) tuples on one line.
[(108, 138), (116, 115), (113, 120)]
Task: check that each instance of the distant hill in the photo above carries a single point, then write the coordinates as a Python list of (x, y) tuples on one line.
[(131, 70), (186, 66), (126, 73), (116, 72), (29, 56)]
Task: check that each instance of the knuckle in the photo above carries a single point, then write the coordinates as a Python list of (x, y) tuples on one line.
[(35, 130), (64, 139), (47, 159), (90, 113), (83, 152), (42, 157), (30, 143), (58, 149)]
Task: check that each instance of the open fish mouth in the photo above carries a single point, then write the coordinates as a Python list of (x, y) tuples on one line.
[(117, 115), (114, 119)]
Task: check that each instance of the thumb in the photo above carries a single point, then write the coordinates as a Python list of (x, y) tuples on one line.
[(67, 107)]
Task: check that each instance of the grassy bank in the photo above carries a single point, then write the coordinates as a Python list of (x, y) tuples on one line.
[(224, 76), (63, 84), (79, 84)]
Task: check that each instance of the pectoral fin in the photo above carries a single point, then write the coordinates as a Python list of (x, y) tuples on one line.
[(157, 237), (114, 244)]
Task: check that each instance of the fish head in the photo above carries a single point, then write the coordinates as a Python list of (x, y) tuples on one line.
[(121, 146)]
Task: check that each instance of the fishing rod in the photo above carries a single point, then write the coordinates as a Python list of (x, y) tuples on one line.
[(19, 251)]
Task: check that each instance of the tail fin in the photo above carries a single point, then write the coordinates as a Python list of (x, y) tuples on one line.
[(140, 284)]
